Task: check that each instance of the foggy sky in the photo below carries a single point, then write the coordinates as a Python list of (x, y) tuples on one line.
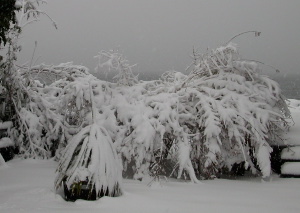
[(159, 35)]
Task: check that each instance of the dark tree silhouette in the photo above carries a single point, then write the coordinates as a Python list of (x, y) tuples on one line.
[(7, 17)]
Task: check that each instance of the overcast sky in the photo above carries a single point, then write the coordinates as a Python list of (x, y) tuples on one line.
[(159, 35)]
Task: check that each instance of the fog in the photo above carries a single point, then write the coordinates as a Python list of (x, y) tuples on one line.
[(159, 35)]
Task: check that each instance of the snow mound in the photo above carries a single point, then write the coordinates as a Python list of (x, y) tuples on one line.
[(290, 168), (5, 125), (5, 142)]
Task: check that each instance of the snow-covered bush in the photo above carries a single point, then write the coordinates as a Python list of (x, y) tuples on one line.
[(90, 156), (225, 112), (239, 111), (21, 103), (39, 125)]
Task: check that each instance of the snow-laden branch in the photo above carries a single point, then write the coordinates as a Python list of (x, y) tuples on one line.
[(112, 60)]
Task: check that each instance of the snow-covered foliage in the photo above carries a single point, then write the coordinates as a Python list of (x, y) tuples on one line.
[(21, 101), (40, 127), (30, 13), (224, 112), (113, 60), (240, 112), (90, 155)]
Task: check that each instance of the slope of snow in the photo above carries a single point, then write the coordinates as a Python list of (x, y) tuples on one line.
[(27, 186)]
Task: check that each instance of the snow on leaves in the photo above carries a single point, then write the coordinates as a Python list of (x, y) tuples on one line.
[(224, 112)]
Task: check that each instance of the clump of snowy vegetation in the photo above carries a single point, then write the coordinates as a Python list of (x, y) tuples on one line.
[(20, 101), (90, 156), (115, 61), (240, 112), (224, 113)]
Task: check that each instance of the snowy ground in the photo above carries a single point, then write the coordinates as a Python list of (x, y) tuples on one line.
[(27, 186)]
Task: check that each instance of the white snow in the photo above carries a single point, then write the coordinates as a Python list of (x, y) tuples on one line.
[(5, 142), (18, 4), (290, 168), (5, 125), (28, 186)]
